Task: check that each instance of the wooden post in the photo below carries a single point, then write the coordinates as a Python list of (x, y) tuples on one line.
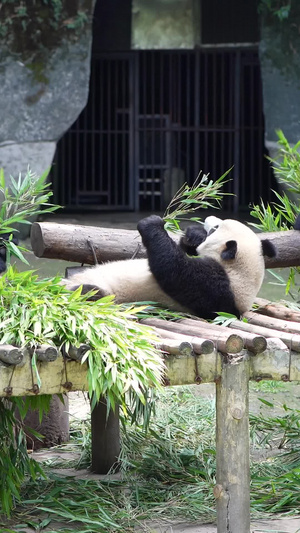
[(232, 446), (105, 438)]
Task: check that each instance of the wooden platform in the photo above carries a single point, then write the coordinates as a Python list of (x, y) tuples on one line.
[(263, 347)]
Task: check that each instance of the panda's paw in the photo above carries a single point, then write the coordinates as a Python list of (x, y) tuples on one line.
[(193, 236), (147, 224)]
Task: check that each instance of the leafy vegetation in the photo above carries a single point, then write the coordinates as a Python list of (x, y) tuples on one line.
[(281, 214), (121, 356), (168, 473), (123, 363), (280, 9), (27, 197), (203, 194)]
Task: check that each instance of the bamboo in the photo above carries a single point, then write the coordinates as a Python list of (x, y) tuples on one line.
[(227, 343), (232, 491), (64, 241)]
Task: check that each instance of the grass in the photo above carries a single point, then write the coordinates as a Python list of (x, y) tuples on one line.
[(167, 473)]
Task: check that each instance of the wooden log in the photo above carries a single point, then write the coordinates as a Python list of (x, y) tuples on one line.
[(63, 375), (10, 355), (175, 347), (77, 353), (46, 353), (232, 491), (71, 243), (227, 343), (252, 342), (277, 310), (291, 340), (105, 438), (272, 322), (199, 345)]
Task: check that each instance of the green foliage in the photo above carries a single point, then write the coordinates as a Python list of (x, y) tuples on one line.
[(169, 472), (225, 319), (41, 25), (203, 194), (14, 460), (27, 196), (281, 214), (280, 9), (122, 361), (121, 357)]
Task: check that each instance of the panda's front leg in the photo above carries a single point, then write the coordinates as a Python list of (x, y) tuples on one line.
[(166, 260)]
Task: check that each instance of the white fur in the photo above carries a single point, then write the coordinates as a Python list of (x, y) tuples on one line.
[(129, 280), (246, 271)]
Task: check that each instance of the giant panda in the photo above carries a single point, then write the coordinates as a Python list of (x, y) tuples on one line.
[(215, 268)]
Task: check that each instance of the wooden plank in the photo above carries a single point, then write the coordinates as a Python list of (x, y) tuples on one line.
[(232, 491), (277, 363), (56, 377)]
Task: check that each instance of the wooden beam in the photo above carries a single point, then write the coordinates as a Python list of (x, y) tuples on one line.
[(73, 243), (232, 491), (277, 362)]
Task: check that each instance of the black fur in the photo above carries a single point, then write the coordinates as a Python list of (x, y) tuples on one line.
[(230, 251), (268, 248), (188, 280), (193, 236)]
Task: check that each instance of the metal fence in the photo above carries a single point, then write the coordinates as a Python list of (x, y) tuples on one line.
[(155, 119)]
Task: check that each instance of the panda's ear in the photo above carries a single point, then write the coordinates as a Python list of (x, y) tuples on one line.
[(230, 251), (268, 248)]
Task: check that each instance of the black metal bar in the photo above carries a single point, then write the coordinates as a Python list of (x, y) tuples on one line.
[(237, 132)]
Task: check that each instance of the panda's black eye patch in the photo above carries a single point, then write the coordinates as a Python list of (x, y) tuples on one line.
[(230, 251)]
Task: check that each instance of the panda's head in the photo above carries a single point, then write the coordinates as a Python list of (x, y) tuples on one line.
[(240, 252), (231, 240)]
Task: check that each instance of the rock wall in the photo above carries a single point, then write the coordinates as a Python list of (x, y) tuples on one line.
[(280, 68), (44, 78)]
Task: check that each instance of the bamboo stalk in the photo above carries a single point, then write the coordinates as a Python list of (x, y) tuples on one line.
[(227, 343), (200, 346), (252, 342)]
